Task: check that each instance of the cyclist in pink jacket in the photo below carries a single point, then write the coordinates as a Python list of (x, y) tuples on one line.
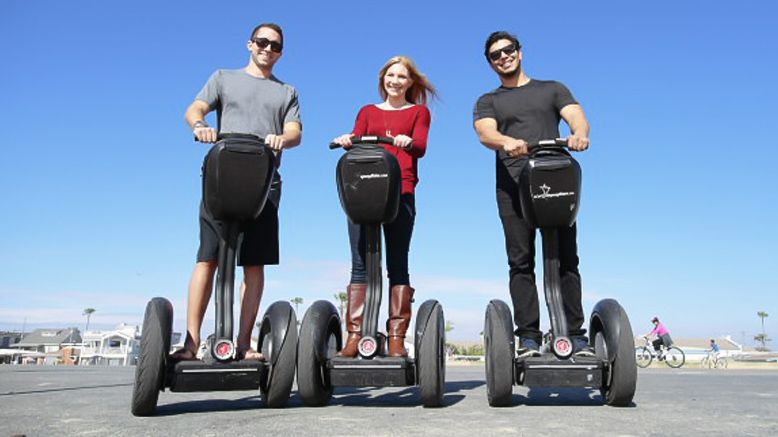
[(662, 336)]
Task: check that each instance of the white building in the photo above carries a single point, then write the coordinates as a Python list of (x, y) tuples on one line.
[(120, 346)]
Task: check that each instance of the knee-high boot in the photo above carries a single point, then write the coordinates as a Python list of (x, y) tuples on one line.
[(401, 297), (354, 314)]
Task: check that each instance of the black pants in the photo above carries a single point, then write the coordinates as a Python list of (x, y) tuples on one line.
[(397, 236), (520, 246)]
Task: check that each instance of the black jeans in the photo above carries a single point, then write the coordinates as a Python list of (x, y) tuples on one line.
[(520, 247), (397, 236)]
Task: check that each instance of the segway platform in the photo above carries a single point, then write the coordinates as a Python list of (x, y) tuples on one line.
[(549, 371), (376, 372), (189, 376)]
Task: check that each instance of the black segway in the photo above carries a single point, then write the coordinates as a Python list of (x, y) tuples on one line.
[(549, 195), (369, 187), (237, 174)]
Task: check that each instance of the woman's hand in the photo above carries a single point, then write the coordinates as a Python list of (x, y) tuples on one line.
[(344, 141), (403, 141)]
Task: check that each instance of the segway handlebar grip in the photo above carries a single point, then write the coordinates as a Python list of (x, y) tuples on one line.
[(366, 139)]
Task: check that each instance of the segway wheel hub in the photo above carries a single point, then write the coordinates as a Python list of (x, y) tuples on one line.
[(224, 350)]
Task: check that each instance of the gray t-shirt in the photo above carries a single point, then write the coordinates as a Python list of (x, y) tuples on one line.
[(250, 105)]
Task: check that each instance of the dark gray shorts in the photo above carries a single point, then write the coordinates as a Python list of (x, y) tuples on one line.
[(258, 240)]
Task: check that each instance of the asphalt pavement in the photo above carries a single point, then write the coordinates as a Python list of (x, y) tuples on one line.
[(95, 401)]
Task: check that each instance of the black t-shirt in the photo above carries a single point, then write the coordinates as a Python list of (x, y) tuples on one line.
[(529, 112)]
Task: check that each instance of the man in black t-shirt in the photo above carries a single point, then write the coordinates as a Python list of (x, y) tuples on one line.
[(507, 119)]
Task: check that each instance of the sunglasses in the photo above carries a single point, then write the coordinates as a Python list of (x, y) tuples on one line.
[(275, 46), (510, 48)]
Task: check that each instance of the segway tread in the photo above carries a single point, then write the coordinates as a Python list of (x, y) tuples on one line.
[(375, 372), (190, 376)]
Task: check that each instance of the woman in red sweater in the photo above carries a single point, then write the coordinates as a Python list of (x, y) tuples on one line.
[(403, 115)]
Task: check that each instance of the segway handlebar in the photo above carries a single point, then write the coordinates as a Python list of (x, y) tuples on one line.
[(366, 139), (557, 142), (235, 136)]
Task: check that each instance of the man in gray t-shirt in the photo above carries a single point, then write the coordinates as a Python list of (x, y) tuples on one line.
[(247, 101)]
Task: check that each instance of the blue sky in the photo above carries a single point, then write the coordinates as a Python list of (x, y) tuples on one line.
[(100, 177)]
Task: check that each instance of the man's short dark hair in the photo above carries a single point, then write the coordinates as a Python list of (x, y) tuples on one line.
[(496, 36), (273, 26)]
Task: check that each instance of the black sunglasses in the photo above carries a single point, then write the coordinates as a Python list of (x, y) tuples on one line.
[(510, 48), (275, 46)]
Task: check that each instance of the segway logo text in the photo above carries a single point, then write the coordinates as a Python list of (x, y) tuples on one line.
[(373, 176), (547, 195)]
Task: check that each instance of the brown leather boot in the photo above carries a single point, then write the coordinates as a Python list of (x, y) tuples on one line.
[(354, 314), (400, 300)]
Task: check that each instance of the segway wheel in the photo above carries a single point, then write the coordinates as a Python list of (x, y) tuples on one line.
[(151, 368), (643, 357), (499, 346), (278, 340), (320, 340), (613, 341), (431, 356)]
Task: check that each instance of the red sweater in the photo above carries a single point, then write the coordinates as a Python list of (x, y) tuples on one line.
[(413, 122)]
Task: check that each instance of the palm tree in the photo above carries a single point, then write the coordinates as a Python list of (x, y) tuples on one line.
[(449, 326), (341, 297), (762, 338), (297, 301), (88, 313), (762, 315)]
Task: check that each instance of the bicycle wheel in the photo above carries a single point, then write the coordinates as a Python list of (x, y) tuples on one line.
[(722, 363), (674, 357), (705, 362), (643, 357)]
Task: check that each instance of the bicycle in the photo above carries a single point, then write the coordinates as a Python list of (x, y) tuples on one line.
[(714, 361), (673, 356)]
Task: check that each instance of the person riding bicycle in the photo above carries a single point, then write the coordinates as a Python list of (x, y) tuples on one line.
[(714, 351), (662, 337)]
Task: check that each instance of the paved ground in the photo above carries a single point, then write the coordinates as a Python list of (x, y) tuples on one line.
[(45, 401)]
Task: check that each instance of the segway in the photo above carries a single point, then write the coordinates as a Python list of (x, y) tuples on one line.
[(549, 196), (368, 180), (237, 174)]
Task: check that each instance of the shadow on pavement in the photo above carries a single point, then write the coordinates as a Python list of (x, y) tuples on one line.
[(210, 405), (563, 397), (406, 397)]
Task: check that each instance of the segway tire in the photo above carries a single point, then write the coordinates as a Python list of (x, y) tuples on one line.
[(499, 345), (278, 339), (430, 359), (614, 341), (151, 368), (320, 339)]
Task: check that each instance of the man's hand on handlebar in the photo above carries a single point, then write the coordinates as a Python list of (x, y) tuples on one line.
[(516, 148), (275, 142), (205, 134), (578, 143)]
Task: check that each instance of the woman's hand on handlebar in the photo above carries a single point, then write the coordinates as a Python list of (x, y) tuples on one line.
[(403, 141), (205, 134), (275, 142), (516, 148), (343, 140), (579, 143)]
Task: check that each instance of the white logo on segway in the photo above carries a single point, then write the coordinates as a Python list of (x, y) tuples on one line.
[(374, 176), (546, 194)]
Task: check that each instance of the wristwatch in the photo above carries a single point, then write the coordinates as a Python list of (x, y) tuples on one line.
[(199, 123)]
